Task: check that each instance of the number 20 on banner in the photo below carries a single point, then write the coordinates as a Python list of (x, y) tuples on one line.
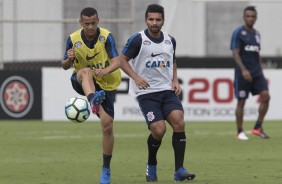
[(202, 86)]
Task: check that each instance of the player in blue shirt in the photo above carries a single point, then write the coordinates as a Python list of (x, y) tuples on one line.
[(245, 46)]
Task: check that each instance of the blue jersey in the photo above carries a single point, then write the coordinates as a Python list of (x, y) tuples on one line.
[(249, 44)]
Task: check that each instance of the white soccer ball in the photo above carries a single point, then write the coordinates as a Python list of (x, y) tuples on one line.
[(77, 109)]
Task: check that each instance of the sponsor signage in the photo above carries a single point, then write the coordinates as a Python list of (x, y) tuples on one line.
[(20, 95), (207, 95)]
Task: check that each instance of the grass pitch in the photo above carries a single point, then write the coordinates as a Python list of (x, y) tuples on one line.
[(36, 152)]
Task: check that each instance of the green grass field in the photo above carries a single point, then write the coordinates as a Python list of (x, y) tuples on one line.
[(35, 152)]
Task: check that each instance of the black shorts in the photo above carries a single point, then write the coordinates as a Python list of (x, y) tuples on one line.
[(243, 88), (157, 106), (110, 96)]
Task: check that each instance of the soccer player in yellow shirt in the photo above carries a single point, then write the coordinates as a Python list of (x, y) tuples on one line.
[(91, 51)]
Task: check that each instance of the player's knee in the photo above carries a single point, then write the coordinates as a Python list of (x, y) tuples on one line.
[(86, 72), (107, 129), (241, 103), (178, 126), (265, 97), (158, 131)]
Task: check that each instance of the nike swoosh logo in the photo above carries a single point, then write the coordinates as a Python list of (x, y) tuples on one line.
[(154, 55), (91, 57)]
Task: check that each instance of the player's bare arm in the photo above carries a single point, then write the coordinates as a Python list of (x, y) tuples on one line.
[(115, 64), (176, 87), (245, 72), (67, 63), (139, 81), (175, 84)]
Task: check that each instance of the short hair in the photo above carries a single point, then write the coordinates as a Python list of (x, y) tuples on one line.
[(251, 8), (154, 8), (88, 12)]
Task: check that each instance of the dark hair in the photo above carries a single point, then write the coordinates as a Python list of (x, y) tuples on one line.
[(88, 12), (154, 8), (251, 8)]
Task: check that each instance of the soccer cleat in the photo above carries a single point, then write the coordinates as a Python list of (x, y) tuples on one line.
[(182, 174), (259, 132), (96, 100), (242, 136), (106, 176), (151, 173)]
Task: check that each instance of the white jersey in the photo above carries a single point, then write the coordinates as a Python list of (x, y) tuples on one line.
[(154, 63)]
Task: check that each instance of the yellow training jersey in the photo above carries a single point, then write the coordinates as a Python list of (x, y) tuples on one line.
[(96, 57)]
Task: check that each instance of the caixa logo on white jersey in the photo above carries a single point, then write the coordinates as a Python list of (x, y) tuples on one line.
[(252, 48), (157, 64), (16, 96)]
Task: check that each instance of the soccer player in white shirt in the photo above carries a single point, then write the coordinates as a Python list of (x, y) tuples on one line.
[(149, 60)]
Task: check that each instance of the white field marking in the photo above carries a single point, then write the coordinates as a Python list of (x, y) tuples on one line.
[(197, 133), (61, 137), (217, 133), (92, 136), (47, 132)]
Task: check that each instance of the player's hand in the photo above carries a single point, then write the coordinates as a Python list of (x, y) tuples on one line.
[(247, 75), (71, 53), (100, 72), (176, 88), (141, 83)]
